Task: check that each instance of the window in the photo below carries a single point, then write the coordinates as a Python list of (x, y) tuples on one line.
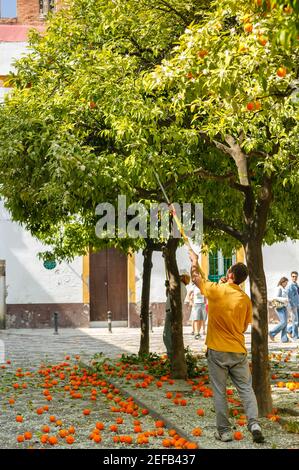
[(218, 264), (45, 6), (8, 8)]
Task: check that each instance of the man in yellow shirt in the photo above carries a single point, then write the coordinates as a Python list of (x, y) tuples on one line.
[(230, 312)]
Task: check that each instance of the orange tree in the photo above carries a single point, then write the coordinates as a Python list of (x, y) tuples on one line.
[(228, 100), (68, 131)]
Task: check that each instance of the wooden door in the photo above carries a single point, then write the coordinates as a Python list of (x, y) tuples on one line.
[(108, 285)]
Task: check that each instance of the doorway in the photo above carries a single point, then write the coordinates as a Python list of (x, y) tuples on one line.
[(108, 287)]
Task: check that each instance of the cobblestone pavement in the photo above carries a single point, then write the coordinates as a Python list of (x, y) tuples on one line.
[(33, 346), (29, 348)]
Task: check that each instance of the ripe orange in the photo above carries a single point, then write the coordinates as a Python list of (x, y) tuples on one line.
[(44, 439), (238, 436), (20, 438), (46, 429), (28, 435), (53, 440), (166, 443), (71, 430), (250, 107), (86, 412), (100, 426), (39, 411), (19, 419), (248, 27), (70, 439), (200, 412), (63, 432), (197, 432), (97, 438), (262, 40), (202, 53), (52, 419), (281, 72), (159, 424)]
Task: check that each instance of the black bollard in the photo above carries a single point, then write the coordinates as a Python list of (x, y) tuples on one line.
[(109, 315), (150, 316), (55, 323)]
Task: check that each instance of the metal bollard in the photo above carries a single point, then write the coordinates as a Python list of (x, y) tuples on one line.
[(150, 316), (109, 315), (55, 323)]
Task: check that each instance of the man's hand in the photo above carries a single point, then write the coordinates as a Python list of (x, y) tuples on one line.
[(193, 257)]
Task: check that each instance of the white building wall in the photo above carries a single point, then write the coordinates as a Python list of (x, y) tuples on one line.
[(158, 273), (28, 282), (279, 260)]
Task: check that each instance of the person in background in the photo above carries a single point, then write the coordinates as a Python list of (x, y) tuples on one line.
[(167, 337), (293, 295), (230, 312), (281, 300), (198, 312)]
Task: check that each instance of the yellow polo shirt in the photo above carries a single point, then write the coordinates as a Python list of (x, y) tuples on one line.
[(230, 312)]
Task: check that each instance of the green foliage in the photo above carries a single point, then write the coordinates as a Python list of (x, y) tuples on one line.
[(159, 366), (115, 88)]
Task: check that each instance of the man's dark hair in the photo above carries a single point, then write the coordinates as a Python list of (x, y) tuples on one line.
[(240, 272), (294, 272)]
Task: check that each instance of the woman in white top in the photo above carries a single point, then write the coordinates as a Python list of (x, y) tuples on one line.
[(198, 312), (281, 300)]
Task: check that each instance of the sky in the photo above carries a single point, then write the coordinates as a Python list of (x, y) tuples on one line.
[(8, 8)]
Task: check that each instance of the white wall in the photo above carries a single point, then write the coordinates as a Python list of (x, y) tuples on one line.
[(9, 52), (27, 279), (279, 260), (158, 273)]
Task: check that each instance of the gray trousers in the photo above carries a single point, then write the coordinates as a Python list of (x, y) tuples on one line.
[(235, 365)]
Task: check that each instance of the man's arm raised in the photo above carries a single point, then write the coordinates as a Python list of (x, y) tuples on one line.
[(197, 273)]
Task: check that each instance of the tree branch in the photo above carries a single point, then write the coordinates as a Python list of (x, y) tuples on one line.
[(263, 206), (220, 225)]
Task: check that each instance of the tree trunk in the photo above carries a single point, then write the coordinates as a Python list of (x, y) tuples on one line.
[(259, 335), (145, 299), (177, 357)]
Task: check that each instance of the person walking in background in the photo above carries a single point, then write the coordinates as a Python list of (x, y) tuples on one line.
[(230, 312), (198, 312), (280, 303), (167, 336), (293, 295)]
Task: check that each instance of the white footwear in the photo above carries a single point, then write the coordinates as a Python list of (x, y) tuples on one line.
[(224, 437), (257, 435)]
